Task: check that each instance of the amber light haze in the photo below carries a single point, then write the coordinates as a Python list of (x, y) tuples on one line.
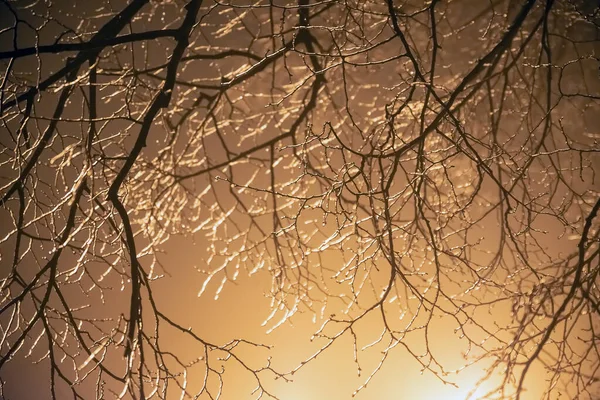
[(299, 199)]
